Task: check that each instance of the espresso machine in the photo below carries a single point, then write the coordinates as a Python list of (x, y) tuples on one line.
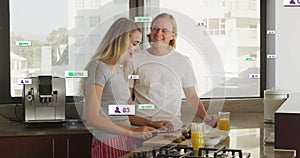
[(44, 100)]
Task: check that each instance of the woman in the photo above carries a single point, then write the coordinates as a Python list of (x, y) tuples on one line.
[(113, 135)]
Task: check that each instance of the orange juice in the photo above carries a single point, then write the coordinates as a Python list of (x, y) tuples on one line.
[(224, 124), (197, 139)]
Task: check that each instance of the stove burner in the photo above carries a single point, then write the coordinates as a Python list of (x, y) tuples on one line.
[(178, 151)]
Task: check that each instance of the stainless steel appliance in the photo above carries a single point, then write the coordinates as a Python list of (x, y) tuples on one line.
[(273, 99), (44, 100)]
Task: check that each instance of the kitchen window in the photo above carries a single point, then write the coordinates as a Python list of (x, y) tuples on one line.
[(94, 20), (79, 21), (60, 37), (52, 36), (234, 27), (215, 26)]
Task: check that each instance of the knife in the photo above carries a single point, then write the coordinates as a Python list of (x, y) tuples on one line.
[(154, 133)]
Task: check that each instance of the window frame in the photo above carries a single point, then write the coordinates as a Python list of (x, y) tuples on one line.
[(5, 97)]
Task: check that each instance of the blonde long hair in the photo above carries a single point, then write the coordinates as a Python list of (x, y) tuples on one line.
[(114, 44)]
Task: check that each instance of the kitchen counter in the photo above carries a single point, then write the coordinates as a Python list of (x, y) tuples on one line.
[(248, 133), (13, 129), (70, 139)]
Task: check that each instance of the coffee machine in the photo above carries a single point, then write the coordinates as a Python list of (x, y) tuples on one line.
[(44, 100)]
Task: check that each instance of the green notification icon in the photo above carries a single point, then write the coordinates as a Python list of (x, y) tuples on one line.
[(76, 73), (71, 74)]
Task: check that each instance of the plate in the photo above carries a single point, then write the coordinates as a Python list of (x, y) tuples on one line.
[(214, 132), (212, 140), (213, 136)]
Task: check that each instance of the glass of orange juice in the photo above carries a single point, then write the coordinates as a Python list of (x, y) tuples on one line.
[(224, 121), (197, 137)]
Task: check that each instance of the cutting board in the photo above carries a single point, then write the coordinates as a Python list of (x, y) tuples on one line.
[(159, 140)]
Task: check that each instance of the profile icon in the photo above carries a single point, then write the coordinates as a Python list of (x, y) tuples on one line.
[(117, 110), (292, 2)]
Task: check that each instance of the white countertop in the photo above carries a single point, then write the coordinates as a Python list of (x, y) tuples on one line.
[(291, 105), (248, 133)]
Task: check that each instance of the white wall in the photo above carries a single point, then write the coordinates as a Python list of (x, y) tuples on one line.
[(287, 48)]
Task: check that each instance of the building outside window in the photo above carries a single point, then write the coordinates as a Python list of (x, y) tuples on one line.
[(234, 27), (68, 37)]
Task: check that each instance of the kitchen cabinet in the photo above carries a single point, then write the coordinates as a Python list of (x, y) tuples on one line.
[(48, 146), (287, 127)]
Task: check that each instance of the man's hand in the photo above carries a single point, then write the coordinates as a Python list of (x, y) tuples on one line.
[(211, 120), (163, 125), (144, 129)]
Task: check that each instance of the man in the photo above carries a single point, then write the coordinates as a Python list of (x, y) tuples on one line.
[(162, 74)]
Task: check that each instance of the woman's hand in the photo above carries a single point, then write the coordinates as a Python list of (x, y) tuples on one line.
[(163, 125), (211, 120), (143, 132)]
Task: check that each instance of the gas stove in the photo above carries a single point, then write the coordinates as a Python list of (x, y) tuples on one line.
[(178, 151)]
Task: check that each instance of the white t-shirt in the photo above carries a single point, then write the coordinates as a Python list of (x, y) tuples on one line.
[(160, 83)]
